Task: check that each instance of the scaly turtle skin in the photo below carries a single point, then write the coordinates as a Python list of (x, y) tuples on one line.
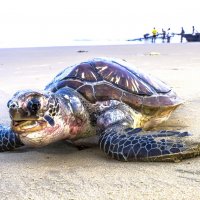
[(105, 98)]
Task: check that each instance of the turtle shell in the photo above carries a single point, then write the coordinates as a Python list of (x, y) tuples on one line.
[(105, 79)]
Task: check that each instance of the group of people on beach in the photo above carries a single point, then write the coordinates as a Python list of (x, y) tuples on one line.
[(166, 35)]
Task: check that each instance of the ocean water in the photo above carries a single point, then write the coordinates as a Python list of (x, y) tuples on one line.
[(87, 42), (174, 39)]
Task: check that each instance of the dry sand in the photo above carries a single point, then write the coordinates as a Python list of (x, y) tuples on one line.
[(60, 171)]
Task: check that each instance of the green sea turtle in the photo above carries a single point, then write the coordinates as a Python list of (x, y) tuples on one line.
[(106, 99)]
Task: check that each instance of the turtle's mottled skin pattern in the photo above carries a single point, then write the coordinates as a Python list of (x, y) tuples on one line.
[(132, 146), (105, 98), (8, 140)]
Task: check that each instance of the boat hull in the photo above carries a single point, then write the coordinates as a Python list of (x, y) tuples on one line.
[(192, 37)]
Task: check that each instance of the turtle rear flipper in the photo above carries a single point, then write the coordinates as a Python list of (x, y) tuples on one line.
[(8, 139), (127, 144)]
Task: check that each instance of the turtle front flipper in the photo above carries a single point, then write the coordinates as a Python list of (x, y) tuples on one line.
[(8, 139), (127, 144)]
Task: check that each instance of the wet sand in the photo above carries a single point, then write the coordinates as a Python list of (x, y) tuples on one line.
[(60, 171)]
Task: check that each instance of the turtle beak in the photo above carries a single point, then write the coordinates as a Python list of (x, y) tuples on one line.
[(14, 110), (17, 113)]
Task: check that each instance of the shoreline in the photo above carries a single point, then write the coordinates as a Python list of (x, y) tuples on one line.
[(174, 40)]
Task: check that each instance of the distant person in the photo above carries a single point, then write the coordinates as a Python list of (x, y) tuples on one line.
[(193, 30), (163, 35), (182, 34), (154, 34), (168, 35)]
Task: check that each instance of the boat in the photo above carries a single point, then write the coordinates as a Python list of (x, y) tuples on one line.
[(146, 37), (192, 37)]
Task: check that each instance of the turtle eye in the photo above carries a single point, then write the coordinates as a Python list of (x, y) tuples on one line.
[(33, 105)]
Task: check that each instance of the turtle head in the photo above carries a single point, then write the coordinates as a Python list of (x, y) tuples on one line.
[(37, 117)]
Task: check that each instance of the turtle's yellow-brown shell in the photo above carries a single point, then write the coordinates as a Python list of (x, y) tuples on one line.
[(107, 79)]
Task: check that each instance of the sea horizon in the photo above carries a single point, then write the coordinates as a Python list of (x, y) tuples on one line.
[(93, 42)]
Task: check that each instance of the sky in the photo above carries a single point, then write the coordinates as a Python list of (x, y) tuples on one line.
[(56, 22)]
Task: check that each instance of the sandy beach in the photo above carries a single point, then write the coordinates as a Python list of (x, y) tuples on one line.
[(60, 171)]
